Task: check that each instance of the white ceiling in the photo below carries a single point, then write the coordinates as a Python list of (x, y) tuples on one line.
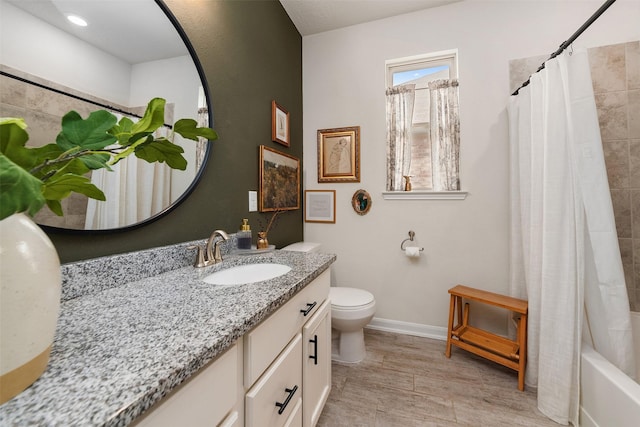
[(133, 30), (317, 16), (137, 30)]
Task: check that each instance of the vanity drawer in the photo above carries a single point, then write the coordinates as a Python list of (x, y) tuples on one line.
[(266, 341), (295, 419), (276, 398)]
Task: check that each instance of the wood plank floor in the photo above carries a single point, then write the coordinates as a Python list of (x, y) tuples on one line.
[(407, 381)]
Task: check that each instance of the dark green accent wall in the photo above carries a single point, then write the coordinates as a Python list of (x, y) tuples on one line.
[(251, 53)]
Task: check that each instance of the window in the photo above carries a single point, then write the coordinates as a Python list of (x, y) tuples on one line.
[(422, 123)]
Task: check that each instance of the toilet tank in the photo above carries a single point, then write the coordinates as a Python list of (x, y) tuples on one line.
[(303, 247)]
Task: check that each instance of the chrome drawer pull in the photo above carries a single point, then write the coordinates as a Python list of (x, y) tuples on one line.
[(310, 307), (284, 404)]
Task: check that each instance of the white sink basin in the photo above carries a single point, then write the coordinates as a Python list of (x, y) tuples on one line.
[(248, 273)]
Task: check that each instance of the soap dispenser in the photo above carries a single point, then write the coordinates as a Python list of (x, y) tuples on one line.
[(244, 235)]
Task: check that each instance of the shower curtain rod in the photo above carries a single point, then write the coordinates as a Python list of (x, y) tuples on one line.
[(570, 40), (80, 98)]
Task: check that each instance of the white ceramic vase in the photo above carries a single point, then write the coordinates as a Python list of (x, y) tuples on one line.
[(30, 286)]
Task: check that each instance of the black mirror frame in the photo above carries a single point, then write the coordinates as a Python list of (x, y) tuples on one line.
[(58, 230)]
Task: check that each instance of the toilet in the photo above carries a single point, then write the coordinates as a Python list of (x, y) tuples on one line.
[(351, 310)]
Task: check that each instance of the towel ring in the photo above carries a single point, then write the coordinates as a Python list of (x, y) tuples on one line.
[(412, 234)]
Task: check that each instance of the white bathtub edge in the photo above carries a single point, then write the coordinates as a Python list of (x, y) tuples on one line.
[(585, 419), (608, 396), (635, 327)]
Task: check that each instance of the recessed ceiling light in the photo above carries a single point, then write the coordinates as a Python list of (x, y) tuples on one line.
[(75, 19)]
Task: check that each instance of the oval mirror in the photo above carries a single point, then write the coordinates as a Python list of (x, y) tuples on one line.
[(128, 53)]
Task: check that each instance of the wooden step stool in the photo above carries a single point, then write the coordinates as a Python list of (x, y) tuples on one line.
[(512, 354)]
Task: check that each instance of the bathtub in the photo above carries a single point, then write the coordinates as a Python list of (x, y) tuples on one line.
[(608, 397)]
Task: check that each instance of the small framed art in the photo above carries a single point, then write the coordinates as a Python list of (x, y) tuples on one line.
[(320, 206), (279, 124), (339, 154), (279, 181), (361, 202)]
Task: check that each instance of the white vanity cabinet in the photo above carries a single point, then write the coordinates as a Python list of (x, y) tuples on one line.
[(316, 364), (263, 343), (206, 399), (280, 348), (277, 374)]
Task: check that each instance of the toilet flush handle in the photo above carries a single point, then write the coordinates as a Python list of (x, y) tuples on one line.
[(310, 307)]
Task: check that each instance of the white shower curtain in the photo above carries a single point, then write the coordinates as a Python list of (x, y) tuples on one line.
[(135, 190), (564, 247)]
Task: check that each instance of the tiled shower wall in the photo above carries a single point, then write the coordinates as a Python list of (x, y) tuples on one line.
[(43, 110), (615, 71)]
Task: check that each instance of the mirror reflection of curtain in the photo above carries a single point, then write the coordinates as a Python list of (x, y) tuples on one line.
[(203, 121), (445, 135), (135, 190), (400, 101)]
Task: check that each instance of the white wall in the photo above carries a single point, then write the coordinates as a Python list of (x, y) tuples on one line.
[(465, 241), (33, 46)]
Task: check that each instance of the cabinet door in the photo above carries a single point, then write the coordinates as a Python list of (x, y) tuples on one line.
[(276, 395), (316, 364), (203, 400)]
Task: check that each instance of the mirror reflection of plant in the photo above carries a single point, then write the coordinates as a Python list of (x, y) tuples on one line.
[(33, 177)]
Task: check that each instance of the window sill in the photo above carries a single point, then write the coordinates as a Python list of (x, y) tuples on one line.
[(424, 195)]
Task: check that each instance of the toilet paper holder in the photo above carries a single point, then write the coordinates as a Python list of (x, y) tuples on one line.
[(412, 234)]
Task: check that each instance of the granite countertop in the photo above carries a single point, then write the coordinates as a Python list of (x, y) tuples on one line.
[(120, 350)]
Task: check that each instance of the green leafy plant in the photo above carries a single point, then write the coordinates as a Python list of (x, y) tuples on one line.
[(33, 177)]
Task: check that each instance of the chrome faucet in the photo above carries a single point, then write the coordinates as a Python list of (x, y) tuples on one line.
[(210, 254)]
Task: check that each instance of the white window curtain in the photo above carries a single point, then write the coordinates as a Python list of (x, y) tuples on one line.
[(445, 135), (564, 247), (400, 100), (135, 190)]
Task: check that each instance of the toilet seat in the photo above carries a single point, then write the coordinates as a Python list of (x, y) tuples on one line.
[(349, 298)]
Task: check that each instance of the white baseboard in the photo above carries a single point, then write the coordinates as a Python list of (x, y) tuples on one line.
[(407, 328)]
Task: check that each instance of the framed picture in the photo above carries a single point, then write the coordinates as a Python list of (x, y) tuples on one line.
[(279, 181), (361, 202), (320, 206), (279, 124), (339, 154)]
